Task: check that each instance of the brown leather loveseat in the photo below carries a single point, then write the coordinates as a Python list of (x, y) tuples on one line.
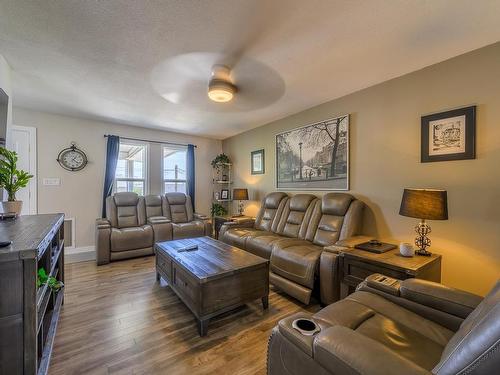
[(133, 224), (298, 235)]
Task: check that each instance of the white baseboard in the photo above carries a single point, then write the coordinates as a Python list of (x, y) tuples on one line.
[(79, 254)]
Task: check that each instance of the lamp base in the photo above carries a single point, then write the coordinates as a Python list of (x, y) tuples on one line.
[(241, 208), (422, 241), (423, 252)]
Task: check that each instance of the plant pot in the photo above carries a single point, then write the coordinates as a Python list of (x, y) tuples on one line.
[(12, 207)]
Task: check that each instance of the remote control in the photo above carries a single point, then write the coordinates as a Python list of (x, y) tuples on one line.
[(188, 248)]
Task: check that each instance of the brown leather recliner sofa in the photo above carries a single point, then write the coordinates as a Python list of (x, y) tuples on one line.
[(415, 327), (298, 234), (133, 224)]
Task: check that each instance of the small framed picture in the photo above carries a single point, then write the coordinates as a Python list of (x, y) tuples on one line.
[(258, 162), (224, 194), (449, 135)]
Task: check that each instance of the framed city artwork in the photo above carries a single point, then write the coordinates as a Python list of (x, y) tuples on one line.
[(257, 162), (314, 157), (449, 135)]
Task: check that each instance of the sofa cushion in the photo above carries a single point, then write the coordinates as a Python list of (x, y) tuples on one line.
[(270, 211), (476, 339), (178, 208), (327, 219), (413, 337), (296, 216), (261, 245), (296, 263), (153, 205), (131, 238), (188, 230)]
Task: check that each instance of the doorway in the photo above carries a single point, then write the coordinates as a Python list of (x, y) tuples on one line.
[(22, 139)]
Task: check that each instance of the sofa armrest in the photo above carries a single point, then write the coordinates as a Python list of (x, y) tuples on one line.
[(102, 241), (102, 223), (162, 228), (341, 350), (234, 224), (353, 241), (203, 217), (440, 297), (158, 220)]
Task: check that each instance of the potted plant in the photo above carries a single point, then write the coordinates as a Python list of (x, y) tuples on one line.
[(219, 161), (218, 210), (12, 179)]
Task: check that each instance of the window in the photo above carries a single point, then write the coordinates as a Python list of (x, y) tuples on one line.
[(131, 170), (174, 168)]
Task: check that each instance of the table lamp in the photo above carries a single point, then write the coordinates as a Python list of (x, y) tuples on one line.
[(424, 204), (240, 195)]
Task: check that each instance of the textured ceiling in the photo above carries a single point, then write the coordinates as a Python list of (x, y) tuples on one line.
[(101, 59)]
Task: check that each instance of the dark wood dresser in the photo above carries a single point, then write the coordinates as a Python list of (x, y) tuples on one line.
[(28, 314)]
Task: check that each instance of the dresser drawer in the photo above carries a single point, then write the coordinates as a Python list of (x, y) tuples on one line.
[(360, 270), (185, 285), (164, 266)]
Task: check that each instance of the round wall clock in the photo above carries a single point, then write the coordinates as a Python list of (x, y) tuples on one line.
[(72, 158)]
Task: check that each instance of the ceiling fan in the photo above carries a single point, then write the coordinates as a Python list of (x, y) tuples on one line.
[(204, 80)]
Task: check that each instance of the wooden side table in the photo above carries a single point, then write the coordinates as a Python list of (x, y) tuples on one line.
[(358, 264), (220, 220)]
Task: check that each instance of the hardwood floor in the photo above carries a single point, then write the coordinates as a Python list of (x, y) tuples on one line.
[(118, 320)]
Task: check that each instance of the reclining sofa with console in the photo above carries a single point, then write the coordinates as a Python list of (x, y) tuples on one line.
[(412, 327), (299, 235), (133, 224)]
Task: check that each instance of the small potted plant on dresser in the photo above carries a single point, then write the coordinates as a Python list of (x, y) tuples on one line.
[(12, 179)]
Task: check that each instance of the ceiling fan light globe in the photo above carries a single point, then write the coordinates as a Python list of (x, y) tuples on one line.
[(221, 91)]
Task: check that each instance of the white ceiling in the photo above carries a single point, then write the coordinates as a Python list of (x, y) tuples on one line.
[(100, 59)]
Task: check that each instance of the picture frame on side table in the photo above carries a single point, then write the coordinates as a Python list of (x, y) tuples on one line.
[(224, 194), (449, 135), (258, 162)]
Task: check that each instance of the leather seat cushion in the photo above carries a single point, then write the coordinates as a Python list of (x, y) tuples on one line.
[(131, 238), (296, 263), (188, 230), (406, 333), (262, 245), (238, 236)]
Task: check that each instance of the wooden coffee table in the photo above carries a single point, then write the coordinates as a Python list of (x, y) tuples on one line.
[(213, 279)]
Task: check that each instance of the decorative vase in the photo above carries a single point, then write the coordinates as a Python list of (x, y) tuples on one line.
[(12, 207), (406, 249)]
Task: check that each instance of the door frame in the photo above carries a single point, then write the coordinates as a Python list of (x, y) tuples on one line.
[(33, 183)]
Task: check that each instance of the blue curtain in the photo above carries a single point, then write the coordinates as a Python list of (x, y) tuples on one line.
[(112, 151), (190, 172)]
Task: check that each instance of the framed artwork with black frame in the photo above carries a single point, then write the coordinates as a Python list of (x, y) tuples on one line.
[(314, 157), (224, 194), (449, 135), (258, 162)]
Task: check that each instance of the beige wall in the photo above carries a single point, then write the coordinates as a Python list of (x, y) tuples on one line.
[(385, 158), (80, 193)]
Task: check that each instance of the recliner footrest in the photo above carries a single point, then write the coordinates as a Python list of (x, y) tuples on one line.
[(297, 291)]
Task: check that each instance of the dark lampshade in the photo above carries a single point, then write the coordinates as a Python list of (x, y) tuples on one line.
[(240, 194), (427, 204)]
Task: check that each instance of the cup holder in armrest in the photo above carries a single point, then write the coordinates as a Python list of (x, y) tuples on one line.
[(306, 327)]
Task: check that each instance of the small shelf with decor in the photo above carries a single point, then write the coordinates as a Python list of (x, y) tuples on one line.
[(221, 182)]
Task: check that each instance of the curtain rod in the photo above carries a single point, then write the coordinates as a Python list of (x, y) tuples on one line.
[(147, 140)]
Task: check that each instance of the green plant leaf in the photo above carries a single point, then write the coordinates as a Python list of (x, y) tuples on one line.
[(11, 178)]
